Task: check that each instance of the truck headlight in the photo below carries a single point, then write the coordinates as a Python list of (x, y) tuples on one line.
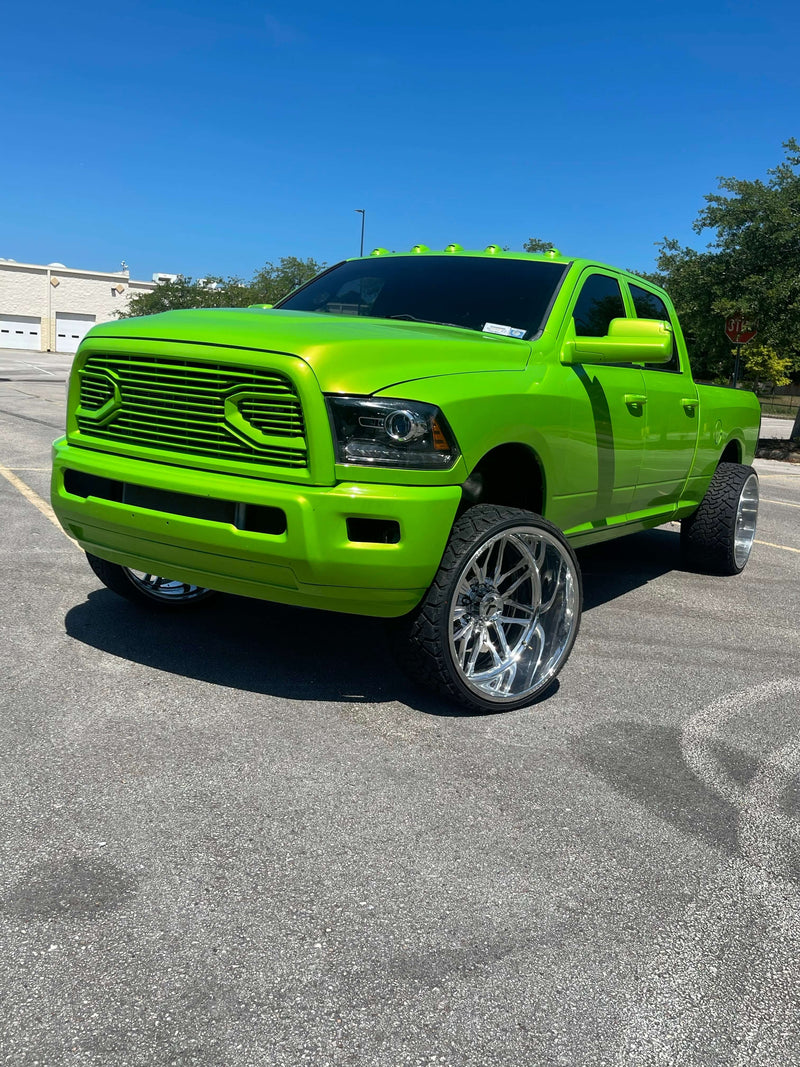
[(391, 433)]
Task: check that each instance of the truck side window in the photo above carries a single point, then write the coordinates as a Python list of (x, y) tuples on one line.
[(650, 306), (600, 302)]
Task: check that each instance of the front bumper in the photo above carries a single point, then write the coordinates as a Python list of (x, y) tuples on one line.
[(313, 563)]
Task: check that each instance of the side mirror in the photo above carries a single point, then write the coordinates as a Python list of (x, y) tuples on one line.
[(627, 341)]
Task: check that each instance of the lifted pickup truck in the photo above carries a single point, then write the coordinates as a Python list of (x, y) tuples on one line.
[(426, 435)]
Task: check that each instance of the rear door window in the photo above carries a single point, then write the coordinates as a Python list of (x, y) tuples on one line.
[(650, 306)]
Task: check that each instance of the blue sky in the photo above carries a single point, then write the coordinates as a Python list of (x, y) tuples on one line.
[(208, 138)]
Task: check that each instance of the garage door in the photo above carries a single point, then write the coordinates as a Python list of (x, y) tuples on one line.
[(70, 330), (21, 331)]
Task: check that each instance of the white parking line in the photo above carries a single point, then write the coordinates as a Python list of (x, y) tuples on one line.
[(705, 975)]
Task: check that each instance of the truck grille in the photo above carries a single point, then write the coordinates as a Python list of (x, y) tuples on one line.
[(201, 409)]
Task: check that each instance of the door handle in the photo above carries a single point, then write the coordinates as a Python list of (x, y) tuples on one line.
[(635, 399), (688, 402)]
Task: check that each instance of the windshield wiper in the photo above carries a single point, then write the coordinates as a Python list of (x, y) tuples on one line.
[(429, 322)]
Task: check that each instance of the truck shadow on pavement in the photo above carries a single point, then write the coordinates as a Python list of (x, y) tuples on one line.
[(302, 654), (250, 645), (614, 568)]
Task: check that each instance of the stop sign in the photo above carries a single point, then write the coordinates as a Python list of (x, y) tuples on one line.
[(739, 329)]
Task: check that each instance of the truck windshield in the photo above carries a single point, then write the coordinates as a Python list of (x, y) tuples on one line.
[(509, 296)]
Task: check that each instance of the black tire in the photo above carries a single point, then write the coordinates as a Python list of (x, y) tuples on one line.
[(718, 537), (146, 589), (469, 639)]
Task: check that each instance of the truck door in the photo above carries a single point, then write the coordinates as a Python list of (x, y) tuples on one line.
[(671, 418), (607, 428)]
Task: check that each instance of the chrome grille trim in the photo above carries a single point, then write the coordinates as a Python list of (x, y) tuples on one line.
[(193, 408)]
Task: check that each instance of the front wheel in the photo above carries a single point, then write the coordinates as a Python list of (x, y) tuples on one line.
[(718, 537), (149, 590), (502, 614)]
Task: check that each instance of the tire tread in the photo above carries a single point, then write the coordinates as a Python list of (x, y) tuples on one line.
[(707, 535)]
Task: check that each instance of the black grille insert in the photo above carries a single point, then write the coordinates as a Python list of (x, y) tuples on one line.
[(255, 518)]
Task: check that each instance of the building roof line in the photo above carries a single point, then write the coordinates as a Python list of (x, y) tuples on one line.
[(44, 267)]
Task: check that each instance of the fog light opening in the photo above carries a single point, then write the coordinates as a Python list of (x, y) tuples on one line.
[(374, 531)]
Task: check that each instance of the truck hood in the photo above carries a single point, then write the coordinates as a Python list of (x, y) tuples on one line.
[(347, 354)]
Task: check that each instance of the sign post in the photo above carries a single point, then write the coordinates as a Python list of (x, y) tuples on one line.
[(739, 330)]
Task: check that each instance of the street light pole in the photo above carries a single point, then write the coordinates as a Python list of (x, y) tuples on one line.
[(362, 212)]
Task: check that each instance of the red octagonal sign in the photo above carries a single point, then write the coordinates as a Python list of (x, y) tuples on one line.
[(739, 329)]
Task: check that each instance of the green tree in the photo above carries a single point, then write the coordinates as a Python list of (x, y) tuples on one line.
[(751, 266), (762, 363), (695, 281), (265, 287), (273, 282), (535, 244)]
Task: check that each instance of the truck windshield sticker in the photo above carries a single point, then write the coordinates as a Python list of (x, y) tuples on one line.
[(505, 331)]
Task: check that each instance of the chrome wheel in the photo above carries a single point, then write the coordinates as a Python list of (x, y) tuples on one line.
[(746, 518), (148, 590), (166, 590), (514, 614)]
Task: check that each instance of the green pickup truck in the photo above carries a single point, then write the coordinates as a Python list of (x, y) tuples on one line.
[(424, 436)]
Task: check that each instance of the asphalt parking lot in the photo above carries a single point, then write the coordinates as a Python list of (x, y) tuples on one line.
[(241, 838)]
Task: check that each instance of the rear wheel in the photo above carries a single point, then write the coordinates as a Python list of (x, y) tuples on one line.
[(150, 590), (718, 537), (502, 614)]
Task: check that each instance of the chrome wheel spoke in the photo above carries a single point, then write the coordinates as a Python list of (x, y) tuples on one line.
[(462, 640), (520, 566), (526, 608), (501, 637), (539, 634), (476, 651), (490, 646), (522, 578), (546, 605), (498, 568)]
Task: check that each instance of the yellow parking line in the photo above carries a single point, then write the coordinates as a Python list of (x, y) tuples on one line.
[(33, 498), (785, 548), (788, 503)]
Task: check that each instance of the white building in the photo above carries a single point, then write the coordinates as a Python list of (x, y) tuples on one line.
[(49, 308)]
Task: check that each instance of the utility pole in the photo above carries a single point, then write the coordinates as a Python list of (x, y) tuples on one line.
[(362, 212)]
